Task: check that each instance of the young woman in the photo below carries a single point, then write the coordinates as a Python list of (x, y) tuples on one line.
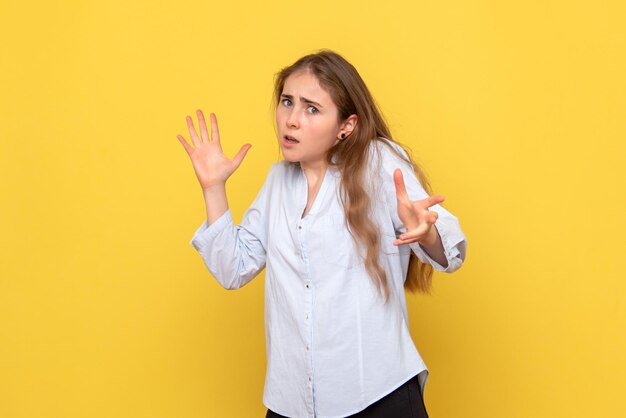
[(342, 225)]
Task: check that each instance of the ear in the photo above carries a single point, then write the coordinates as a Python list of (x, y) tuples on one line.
[(348, 125)]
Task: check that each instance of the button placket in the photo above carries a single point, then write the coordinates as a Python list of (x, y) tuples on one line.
[(308, 306)]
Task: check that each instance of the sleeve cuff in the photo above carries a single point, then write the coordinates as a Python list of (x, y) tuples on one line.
[(206, 233), (452, 243)]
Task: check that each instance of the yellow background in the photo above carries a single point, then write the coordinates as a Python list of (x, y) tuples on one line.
[(514, 109)]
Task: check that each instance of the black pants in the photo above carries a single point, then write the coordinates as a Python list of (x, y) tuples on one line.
[(404, 402)]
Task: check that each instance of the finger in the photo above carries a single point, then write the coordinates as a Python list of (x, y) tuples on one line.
[(433, 200), (404, 242), (215, 132), (187, 147), (238, 158), (399, 183), (407, 240), (417, 233), (192, 132), (203, 131)]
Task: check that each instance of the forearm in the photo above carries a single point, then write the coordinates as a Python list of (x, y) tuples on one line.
[(434, 247), (231, 254), (234, 254), (215, 201)]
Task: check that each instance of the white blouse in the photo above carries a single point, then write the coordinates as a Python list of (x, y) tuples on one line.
[(332, 346)]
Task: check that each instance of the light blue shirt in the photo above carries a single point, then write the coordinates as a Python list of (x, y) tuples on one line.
[(332, 346)]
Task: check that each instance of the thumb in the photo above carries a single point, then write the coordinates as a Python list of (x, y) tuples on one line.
[(238, 158)]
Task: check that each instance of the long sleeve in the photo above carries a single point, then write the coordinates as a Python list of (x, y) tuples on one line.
[(452, 237), (235, 254)]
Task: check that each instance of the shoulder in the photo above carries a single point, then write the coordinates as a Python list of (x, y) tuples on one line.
[(277, 168), (282, 167), (386, 154), (281, 171)]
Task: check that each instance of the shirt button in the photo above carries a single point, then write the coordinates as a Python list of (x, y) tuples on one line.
[(299, 226), (307, 348), (309, 379), (307, 286)]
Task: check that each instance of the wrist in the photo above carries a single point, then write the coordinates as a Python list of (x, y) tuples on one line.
[(214, 186), (432, 237)]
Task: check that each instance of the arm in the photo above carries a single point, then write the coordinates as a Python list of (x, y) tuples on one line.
[(233, 254), (434, 247), (215, 201), (452, 241), (444, 245)]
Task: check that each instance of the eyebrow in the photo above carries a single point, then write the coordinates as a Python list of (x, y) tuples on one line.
[(302, 99)]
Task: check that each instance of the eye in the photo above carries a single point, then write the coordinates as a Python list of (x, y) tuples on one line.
[(313, 112)]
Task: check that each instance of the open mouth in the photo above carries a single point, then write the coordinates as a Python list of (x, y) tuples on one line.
[(291, 139)]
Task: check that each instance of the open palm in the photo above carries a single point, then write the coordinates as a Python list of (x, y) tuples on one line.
[(414, 214), (212, 167)]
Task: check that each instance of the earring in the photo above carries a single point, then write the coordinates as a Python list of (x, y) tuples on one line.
[(343, 136)]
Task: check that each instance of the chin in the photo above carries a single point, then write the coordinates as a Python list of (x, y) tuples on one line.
[(292, 160), (288, 157)]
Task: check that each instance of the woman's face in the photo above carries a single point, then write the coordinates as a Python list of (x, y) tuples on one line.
[(306, 113)]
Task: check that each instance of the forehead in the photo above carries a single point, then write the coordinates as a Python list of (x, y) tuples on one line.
[(306, 84)]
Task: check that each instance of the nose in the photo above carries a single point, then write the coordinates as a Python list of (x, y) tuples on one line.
[(292, 119)]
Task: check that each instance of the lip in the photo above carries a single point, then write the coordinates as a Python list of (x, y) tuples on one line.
[(287, 143)]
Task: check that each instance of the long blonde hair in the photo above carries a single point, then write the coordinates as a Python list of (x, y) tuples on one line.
[(351, 96)]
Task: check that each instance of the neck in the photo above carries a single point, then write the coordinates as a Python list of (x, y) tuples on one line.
[(314, 168), (314, 171)]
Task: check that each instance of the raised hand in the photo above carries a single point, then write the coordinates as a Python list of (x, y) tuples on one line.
[(414, 214), (212, 167)]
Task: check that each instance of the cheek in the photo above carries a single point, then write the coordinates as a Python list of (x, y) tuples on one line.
[(281, 114), (320, 129)]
